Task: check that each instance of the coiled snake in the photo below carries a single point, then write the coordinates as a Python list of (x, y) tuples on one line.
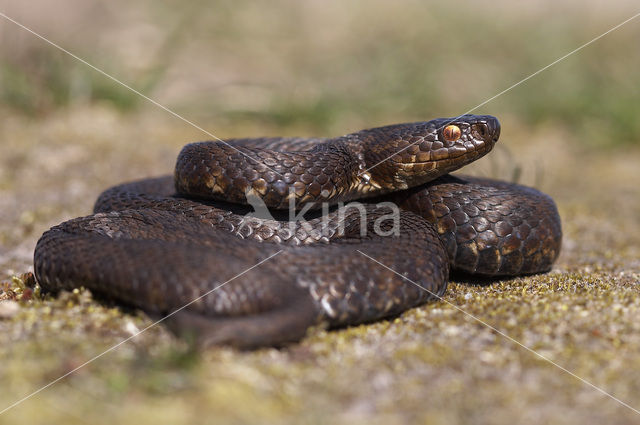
[(188, 240)]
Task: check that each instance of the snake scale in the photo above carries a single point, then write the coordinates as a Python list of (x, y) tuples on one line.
[(190, 247)]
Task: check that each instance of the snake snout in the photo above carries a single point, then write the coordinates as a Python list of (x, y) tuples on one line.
[(494, 128), (487, 129)]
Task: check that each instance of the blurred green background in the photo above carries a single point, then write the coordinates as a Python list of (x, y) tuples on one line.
[(326, 66)]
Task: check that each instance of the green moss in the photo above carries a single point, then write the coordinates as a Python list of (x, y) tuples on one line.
[(433, 363)]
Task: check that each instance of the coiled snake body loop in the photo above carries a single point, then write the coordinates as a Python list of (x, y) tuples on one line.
[(185, 240)]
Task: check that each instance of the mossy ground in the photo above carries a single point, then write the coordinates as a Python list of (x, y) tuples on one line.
[(433, 363), (572, 132)]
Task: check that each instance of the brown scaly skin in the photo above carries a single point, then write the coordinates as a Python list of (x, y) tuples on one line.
[(489, 227), (159, 261), (363, 164), (151, 248)]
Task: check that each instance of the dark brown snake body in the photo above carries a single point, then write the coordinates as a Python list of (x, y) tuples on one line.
[(165, 243)]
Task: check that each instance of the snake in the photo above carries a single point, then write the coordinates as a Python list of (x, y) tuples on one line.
[(252, 242)]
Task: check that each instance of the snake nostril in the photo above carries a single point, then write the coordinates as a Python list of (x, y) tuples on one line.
[(480, 131)]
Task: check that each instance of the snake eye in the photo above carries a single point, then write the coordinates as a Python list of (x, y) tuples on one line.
[(451, 133)]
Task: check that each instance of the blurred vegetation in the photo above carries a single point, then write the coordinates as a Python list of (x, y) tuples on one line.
[(318, 64)]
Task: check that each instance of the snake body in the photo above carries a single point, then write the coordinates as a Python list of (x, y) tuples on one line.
[(185, 246)]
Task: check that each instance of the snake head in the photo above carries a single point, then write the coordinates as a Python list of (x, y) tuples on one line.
[(416, 153), (367, 163)]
